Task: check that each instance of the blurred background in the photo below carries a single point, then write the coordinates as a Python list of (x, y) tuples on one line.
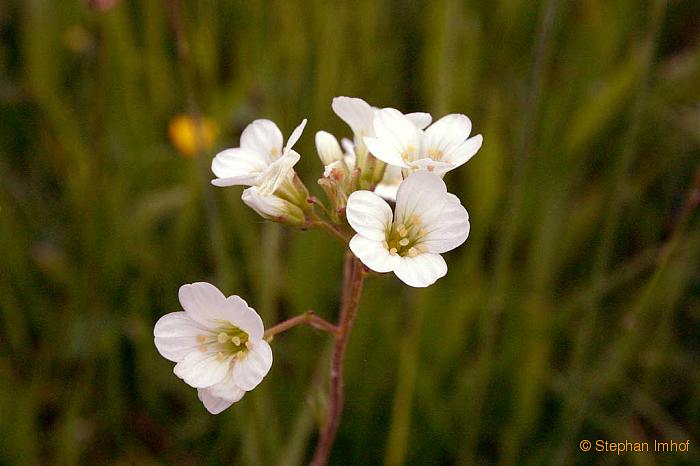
[(571, 313)]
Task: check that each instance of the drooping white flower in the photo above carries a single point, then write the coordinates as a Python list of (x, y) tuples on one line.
[(272, 207), (427, 222), (217, 343), (443, 146), (260, 160)]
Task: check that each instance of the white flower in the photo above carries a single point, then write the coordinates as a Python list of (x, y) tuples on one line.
[(272, 207), (359, 115), (217, 343), (428, 221), (443, 146), (260, 160)]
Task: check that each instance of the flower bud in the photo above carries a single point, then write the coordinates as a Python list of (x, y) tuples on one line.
[(328, 148), (272, 207)]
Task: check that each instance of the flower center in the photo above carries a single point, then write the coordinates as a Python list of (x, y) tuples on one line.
[(230, 340), (404, 238)]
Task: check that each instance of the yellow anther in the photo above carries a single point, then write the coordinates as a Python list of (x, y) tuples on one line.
[(274, 152), (404, 242), (236, 340), (201, 338), (435, 154), (403, 232), (415, 219), (431, 168), (393, 251), (413, 252), (422, 232), (221, 356), (203, 348), (223, 337), (247, 345)]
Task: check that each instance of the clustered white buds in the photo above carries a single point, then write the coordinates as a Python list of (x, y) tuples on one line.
[(217, 342)]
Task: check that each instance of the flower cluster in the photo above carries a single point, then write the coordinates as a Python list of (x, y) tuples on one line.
[(217, 342)]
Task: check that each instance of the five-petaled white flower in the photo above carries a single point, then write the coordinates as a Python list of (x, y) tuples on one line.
[(260, 160), (427, 222), (443, 146), (217, 343)]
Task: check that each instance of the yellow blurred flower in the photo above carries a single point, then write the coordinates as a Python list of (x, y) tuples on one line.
[(183, 134)]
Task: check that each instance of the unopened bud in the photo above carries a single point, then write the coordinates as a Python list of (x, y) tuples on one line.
[(328, 148), (272, 207)]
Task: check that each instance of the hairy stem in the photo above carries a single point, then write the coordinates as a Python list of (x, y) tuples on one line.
[(353, 277)]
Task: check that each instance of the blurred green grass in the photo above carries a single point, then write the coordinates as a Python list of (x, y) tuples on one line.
[(572, 311)]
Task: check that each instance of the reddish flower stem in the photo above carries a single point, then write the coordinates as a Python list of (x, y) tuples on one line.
[(308, 318), (352, 290)]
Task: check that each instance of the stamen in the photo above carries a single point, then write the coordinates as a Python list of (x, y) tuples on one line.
[(236, 340), (203, 348), (201, 339), (404, 242), (415, 219), (221, 356), (413, 252), (223, 337), (393, 251)]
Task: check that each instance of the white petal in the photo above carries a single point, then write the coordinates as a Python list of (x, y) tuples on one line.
[(385, 152), (214, 404), (422, 193), (373, 254), (356, 113), (294, 137), (203, 302), (249, 372), (390, 183), (328, 148), (263, 137), (238, 166), (450, 229), (422, 270), (369, 215), (420, 119), (277, 172), (465, 151), (444, 138), (387, 191), (398, 133), (245, 318), (430, 165), (203, 369), (175, 335), (227, 389)]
